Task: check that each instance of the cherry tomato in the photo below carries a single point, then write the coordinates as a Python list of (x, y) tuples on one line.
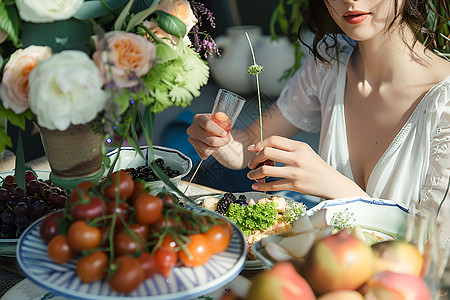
[(137, 191), (148, 264), (167, 197), (105, 231), (59, 250), (164, 222), (86, 207), (125, 244), (49, 226), (148, 209), (200, 251), (168, 242), (92, 267), (81, 236), (121, 209), (165, 260), (141, 230), (128, 275), (122, 184), (220, 236)]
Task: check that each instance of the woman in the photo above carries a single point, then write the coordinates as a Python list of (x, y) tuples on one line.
[(380, 99)]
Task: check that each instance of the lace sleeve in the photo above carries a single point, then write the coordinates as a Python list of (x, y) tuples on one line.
[(435, 195)]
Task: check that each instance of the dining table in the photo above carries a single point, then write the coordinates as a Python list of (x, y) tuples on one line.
[(10, 273)]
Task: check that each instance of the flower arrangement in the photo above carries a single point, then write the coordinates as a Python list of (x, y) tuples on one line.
[(114, 57)]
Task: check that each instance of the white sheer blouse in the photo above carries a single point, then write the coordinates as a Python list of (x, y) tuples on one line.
[(414, 168)]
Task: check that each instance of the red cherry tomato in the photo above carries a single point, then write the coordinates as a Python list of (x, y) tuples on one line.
[(141, 230), (167, 197), (148, 264), (137, 191), (92, 267), (128, 275), (122, 209), (200, 251), (49, 226), (148, 209), (122, 185), (125, 244), (86, 207), (220, 236), (81, 236), (165, 260), (59, 250)]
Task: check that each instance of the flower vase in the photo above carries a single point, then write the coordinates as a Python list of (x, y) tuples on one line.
[(74, 155)]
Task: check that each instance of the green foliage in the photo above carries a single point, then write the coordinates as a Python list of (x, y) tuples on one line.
[(294, 212), (439, 20), (256, 217), (286, 20), (10, 22)]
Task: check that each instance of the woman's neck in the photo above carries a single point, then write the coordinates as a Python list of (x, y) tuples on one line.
[(388, 58)]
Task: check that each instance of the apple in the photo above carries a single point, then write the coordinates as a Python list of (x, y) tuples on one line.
[(388, 285), (339, 261), (282, 282), (397, 256), (342, 295)]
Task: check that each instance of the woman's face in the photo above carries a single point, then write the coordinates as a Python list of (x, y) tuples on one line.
[(362, 19)]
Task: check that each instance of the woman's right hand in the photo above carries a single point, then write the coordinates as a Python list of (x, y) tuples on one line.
[(206, 136)]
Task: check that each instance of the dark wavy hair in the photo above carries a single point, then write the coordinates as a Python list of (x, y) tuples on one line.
[(319, 22)]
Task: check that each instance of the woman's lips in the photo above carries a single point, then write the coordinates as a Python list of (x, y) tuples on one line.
[(355, 17)]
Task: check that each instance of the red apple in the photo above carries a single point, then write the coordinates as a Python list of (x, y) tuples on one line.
[(339, 261), (388, 285), (282, 282)]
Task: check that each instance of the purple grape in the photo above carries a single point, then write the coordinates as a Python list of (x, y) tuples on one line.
[(9, 180), (40, 208), (9, 229), (2, 206), (21, 209), (57, 200), (19, 193), (12, 201), (9, 188), (4, 195), (22, 221), (7, 216), (34, 187), (29, 175)]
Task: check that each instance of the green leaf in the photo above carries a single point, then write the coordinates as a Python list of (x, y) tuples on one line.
[(13, 118), (123, 14), (171, 24), (5, 140), (141, 16), (19, 171), (9, 22)]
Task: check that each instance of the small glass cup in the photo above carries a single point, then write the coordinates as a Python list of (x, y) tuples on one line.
[(227, 108)]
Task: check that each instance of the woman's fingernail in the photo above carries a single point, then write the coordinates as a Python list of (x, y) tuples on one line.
[(251, 147), (254, 186)]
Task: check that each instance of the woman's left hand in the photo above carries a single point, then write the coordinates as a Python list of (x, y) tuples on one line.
[(303, 170)]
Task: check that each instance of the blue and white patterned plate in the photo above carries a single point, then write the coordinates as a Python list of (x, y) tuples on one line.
[(182, 283)]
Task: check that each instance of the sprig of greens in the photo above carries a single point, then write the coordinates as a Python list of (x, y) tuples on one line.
[(294, 212), (255, 217), (343, 219)]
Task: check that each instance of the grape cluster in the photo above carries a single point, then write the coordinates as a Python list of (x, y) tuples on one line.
[(20, 207), (147, 174), (227, 199)]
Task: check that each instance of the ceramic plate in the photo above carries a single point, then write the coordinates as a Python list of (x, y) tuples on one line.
[(182, 283), (27, 290), (386, 219), (249, 264), (8, 246), (129, 158)]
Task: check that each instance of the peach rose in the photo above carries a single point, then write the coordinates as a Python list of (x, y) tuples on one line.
[(131, 56), (14, 86), (180, 9)]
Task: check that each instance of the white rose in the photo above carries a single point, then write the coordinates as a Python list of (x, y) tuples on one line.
[(66, 89), (44, 11)]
